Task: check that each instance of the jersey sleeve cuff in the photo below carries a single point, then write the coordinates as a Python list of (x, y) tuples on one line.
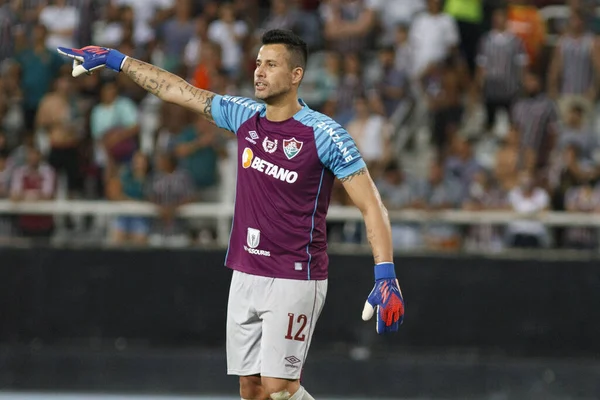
[(350, 169)]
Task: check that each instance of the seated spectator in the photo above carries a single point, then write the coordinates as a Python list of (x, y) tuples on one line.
[(371, 132), (115, 128), (321, 84), (437, 193), (511, 158), (197, 149), (34, 181), (170, 188), (131, 185), (529, 201), (483, 195), (461, 163), (582, 199), (398, 192), (575, 132)]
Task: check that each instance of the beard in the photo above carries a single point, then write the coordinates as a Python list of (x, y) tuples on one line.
[(271, 95)]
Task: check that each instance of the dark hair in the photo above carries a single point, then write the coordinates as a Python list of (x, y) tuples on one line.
[(297, 47)]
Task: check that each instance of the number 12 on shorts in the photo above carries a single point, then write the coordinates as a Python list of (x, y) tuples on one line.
[(297, 325)]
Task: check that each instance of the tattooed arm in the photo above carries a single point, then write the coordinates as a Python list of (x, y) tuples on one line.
[(364, 194), (169, 87)]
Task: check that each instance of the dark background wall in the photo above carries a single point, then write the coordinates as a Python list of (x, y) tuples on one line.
[(144, 303)]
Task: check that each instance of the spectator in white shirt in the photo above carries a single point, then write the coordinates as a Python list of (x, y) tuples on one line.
[(433, 37), (230, 35), (529, 201), (61, 21)]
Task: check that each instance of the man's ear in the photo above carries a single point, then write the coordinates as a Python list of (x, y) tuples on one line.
[(297, 75)]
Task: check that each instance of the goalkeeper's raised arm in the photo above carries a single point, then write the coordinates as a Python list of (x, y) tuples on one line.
[(165, 85)]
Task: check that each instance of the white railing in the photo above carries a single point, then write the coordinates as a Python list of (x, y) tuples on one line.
[(222, 213)]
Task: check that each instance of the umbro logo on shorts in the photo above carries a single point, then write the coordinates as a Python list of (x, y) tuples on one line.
[(292, 360)]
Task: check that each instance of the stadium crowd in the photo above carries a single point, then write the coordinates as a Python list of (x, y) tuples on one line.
[(508, 113)]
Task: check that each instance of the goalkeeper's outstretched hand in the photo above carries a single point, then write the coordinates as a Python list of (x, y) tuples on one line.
[(90, 58), (385, 299)]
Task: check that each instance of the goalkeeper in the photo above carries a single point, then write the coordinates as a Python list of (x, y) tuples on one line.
[(288, 157)]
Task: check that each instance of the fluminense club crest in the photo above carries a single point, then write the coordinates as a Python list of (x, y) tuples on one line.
[(291, 147)]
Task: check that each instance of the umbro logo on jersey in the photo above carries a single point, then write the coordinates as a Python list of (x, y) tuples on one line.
[(291, 147), (253, 137), (269, 145)]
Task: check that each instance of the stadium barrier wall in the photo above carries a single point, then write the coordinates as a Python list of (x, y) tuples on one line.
[(177, 299)]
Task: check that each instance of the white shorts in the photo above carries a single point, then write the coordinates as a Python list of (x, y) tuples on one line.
[(270, 323)]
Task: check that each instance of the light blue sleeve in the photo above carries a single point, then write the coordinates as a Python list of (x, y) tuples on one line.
[(229, 112), (336, 148)]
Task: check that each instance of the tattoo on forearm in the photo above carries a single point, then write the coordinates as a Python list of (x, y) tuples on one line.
[(169, 87), (348, 178), (371, 240)]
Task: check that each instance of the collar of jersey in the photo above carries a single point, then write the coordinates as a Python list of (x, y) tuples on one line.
[(298, 116)]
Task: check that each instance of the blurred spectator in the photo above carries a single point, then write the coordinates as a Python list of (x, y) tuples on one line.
[(114, 127), (583, 199), (230, 35), (117, 23), (18, 157), (433, 38), (170, 188), (444, 86), (351, 86), (394, 13), (469, 17), (483, 195), (131, 185), (61, 21), (403, 53), (526, 21), (321, 83), (575, 66), (501, 65), (38, 67), (288, 15), (536, 118), (511, 158), (392, 86), (148, 14), (59, 121), (33, 182), (9, 21), (193, 48), (529, 201), (440, 192), (175, 34), (371, 132), (461, 163), (574, 131), (208, 65), (347, 24), (197, 149), (568, 170), (173, 120), (6, 224), (399, 192)]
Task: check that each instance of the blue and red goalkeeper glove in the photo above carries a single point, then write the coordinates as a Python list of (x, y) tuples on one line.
[(90, 58), (386, 299)]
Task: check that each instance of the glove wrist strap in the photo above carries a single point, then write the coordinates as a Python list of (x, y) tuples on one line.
[(115, 60), (384, 271)]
